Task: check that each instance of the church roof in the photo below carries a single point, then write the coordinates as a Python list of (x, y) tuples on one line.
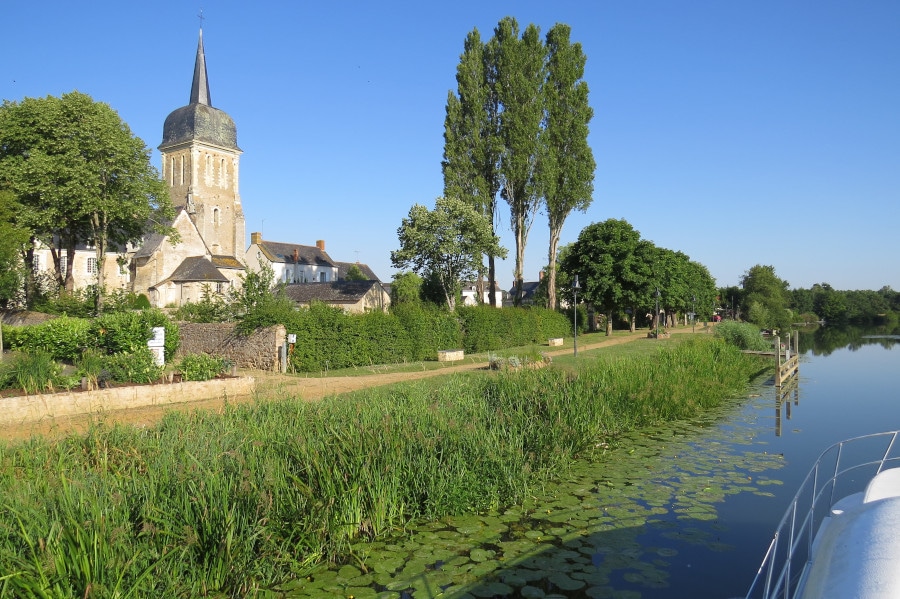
[(227, 262), (197, 268), (199, 121)]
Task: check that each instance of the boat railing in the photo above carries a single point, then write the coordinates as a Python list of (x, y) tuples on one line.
[(841, 470)]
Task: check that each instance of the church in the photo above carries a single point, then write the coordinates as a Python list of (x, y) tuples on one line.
[(201, 165)]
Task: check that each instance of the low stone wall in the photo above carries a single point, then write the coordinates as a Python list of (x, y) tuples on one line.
[(259, 351), (32, 408)]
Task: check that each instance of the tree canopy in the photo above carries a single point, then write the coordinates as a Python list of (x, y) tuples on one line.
[(517, 129), (446, 243), (620, 272), (80, 176)]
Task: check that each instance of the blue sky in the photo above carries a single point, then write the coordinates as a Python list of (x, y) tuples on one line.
[(737, 132)]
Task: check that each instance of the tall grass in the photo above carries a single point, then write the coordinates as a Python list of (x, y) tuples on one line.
[(224, 504)]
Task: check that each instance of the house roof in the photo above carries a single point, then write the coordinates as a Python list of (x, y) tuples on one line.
[(528, 289), (197, 268), (339, 292), (343, 267), (277, 251)]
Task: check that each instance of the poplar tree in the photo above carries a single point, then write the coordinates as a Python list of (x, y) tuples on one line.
[(471, 143), (520, 72), (567, 162)]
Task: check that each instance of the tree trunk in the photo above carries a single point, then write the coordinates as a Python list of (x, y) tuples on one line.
[(492, 278), (633, 319), (551, 267)]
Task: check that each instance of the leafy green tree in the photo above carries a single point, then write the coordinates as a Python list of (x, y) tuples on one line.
[(520, 73), (260, 301), (567, 163), (355, 273), (761, 285), (13, 240), (406, 288), (446, 242), (608, 265), (471, 140), (80, 176)]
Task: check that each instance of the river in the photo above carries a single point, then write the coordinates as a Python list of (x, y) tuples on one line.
[(683, 510)]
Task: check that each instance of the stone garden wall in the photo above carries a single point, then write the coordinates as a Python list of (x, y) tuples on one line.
[(260, 350)]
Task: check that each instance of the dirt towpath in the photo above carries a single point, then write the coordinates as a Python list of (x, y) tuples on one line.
[(274, 386)]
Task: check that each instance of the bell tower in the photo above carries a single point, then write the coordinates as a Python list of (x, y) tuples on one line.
[(200, 164)]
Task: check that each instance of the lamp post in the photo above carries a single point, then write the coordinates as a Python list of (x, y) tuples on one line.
[(656, 316), (693, 316), (575, 288)]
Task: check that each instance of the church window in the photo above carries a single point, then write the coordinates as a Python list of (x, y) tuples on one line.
[(91, 266), (216, 217), (209, 166), (172, 171)]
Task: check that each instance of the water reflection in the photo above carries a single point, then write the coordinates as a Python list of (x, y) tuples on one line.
[(784, 397)]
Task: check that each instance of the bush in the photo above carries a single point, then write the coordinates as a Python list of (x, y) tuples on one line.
[(32, 373), (430, 328), (127, 332), (202, 367), (742, 335), (62, 338), (136, 367)]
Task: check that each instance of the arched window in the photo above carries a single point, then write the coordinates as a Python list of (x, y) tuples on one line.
[(209, 168), (216, 216), (172, 172)]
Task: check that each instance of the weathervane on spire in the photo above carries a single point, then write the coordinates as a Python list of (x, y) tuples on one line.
[(200, 16)]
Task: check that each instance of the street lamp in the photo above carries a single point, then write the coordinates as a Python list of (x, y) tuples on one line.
[(693, 316), (656, 316), (575, 288)]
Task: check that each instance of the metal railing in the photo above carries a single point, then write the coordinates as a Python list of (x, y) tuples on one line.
[(841, 470)]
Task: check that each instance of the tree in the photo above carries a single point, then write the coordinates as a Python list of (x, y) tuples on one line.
[(355, 273), (406, 288), (567, 163), (762, 286), (80, 176), (13, 240), (520, 72), (606, 261), (446, 242), (471, 144)]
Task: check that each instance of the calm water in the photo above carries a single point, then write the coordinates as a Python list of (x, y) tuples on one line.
[(842, 393), (685, 510)]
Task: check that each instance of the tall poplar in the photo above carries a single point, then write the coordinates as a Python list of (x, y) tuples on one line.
[(567, 162), (520, 72), (471, 151)]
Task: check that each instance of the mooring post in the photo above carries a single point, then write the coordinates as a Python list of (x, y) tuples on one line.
[(777, 361)]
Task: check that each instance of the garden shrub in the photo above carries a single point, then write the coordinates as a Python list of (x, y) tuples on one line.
[(202, 367), (62, 338), (34, 372), (137, 367), (127, 332), (742, 335)]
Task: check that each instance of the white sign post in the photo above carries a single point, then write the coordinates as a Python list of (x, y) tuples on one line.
[(157, 345)]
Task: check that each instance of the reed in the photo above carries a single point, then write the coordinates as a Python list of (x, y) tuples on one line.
[(229, 504)]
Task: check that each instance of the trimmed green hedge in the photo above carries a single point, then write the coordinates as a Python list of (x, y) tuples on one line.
[(487, 329)]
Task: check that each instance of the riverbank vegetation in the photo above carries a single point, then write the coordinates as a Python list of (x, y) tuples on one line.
[(225, 504)]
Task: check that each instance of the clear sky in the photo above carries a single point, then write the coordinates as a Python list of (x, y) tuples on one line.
[(737, 132)]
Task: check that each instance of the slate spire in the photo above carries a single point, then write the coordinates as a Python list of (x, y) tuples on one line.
[(200, 84)]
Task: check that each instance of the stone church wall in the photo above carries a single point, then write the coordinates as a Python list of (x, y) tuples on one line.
[(259, 350)]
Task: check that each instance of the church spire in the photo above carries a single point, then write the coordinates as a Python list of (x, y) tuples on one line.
[(200, 85)]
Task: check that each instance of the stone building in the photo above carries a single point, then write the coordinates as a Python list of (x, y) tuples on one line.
[(201, 165)]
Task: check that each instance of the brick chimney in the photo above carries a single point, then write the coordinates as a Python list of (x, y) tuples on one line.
[(541, 275), (255, 238), (296, 255), (320, 243)]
